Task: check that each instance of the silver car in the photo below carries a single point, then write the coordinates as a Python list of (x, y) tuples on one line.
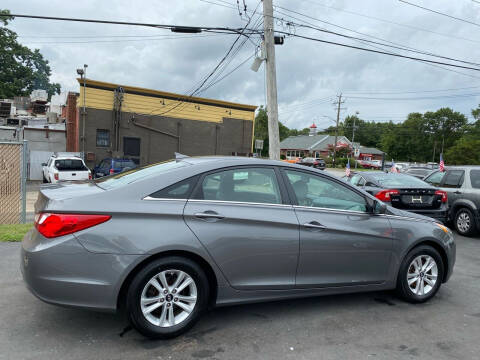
[(166, 241)]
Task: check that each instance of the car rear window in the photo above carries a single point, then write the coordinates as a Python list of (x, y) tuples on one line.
[(70, 165), (392, 180), (130, 176)]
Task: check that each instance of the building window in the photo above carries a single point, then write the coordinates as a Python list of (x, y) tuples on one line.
[(131, 146), (103, 138)]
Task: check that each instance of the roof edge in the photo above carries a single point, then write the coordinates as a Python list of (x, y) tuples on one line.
[(164, 93)]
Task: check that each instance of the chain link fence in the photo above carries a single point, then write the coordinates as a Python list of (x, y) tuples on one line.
[(13, 175)]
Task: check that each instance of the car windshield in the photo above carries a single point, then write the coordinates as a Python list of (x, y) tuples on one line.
[(127, 177), (396, 180)]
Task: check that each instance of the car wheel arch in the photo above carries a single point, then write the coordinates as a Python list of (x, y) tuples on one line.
[(209, 272), (434, 244), (463, 203)]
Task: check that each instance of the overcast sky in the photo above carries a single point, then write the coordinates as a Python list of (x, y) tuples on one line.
[(310, 74)]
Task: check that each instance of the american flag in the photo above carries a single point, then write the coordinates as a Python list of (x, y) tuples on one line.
[(347, 168), (393, 169), (441, 166)]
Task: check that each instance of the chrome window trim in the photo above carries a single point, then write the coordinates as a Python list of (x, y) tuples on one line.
[(355, 212), (240, 203), (149, 198)]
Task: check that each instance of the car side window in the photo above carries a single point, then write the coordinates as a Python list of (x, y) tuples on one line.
[(355, 180), (180, 190), (257, 185), (435, 178), (453, 179), (317, 191), (475, 178)]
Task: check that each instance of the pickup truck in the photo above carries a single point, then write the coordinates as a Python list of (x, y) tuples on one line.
[(62, 168)]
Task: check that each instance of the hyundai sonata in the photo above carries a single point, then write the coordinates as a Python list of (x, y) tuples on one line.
[(168, 240)]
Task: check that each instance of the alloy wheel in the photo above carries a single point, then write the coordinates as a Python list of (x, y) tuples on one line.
[(168, 298), (422, 275), (463, 222)]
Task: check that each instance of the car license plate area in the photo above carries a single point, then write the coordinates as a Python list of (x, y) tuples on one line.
[(417, 201)]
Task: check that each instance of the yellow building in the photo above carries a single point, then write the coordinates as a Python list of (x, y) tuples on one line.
[(149, 125)]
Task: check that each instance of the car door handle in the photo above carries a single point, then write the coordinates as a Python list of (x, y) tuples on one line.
[(457, 192), (314, 225), (209, 215)]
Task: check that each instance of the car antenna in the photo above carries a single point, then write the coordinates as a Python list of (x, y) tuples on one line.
[(180, 157)]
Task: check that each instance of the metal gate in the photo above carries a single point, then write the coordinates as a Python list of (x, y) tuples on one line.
[(13, 175)]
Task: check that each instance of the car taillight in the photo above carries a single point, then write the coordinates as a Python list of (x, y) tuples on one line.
[(55, 176), (443, 194), (53, 225), (316, 163), (385, 195), (89, 175), (111, 171)]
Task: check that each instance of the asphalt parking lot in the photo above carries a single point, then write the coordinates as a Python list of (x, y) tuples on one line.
[(360, 326)]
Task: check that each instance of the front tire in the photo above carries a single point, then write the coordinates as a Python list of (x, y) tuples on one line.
[(464, 222), (167, 297), (420, 274), (44, 180)]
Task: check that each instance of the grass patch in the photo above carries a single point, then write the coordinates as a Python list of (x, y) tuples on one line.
[(13, 232)]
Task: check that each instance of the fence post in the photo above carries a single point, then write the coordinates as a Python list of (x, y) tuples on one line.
[(24, 181)]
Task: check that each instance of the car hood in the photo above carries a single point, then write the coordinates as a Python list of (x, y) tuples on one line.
[(397, 212)]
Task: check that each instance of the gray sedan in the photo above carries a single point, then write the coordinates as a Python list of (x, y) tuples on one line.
[(164, 242)]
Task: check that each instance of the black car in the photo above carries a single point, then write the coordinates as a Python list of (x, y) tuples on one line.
[(317, 163), (418, 171), (405, 192), (462, 184)]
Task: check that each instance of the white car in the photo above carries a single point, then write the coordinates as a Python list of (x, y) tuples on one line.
[(61, 168)]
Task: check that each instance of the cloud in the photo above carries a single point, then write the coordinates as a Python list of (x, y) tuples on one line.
[(309, 74)]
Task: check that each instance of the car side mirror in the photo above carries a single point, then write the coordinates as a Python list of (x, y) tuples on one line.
[(376, 207)]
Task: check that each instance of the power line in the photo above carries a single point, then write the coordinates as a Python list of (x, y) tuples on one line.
[(377, 51), (386, 92), (173, 28), (395, 46), (440, 13), (390, 21), (170, 37)]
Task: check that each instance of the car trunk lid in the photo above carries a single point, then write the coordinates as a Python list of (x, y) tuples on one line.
[(409, 198), (52, 195)]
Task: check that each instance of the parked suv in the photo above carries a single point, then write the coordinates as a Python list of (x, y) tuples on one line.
[(112, 166), (462, 183)]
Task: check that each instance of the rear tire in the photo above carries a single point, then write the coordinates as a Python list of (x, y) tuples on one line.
[(177, 309), (420, 274), (464, 222)]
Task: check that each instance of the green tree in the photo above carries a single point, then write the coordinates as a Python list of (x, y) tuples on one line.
[(261, 129), (22, 70), (466, 151)]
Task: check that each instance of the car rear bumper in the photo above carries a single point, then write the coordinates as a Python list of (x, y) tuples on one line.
[(61, 271)]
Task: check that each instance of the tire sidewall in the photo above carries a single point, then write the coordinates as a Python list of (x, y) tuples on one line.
[(143, 276), (402, 283), (472, 224)]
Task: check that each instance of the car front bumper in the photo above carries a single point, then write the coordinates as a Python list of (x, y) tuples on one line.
[(61, 271)]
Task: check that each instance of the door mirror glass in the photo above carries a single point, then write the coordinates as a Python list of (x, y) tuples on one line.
[(379, 207)]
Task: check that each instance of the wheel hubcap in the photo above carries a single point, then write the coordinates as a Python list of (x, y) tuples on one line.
[(168, 298), (463, 222), (422, 275)]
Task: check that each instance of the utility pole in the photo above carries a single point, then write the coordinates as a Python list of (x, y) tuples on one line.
[(339, 104), (272, 105), (353, 134)]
